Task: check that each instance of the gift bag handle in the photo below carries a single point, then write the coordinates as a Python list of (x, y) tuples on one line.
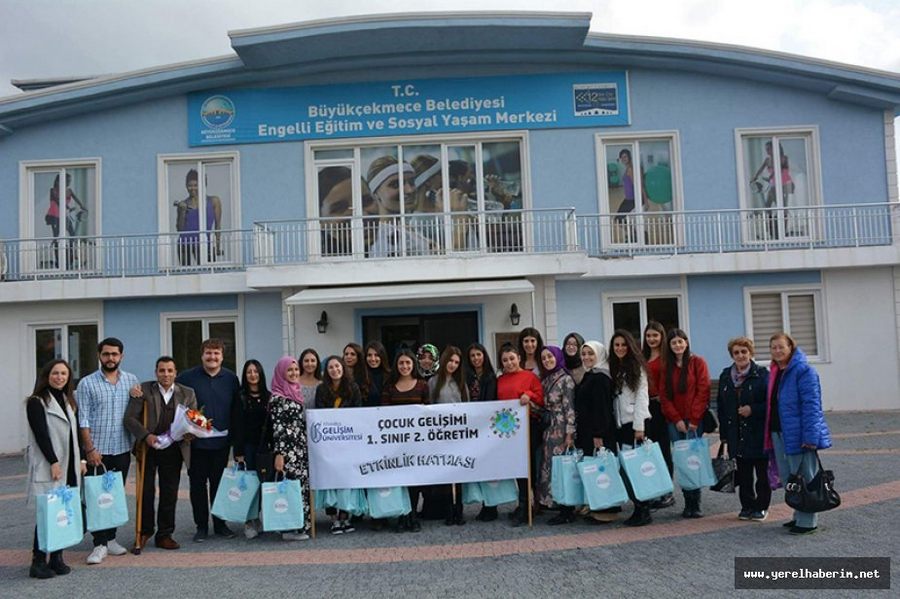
[(102, 465)]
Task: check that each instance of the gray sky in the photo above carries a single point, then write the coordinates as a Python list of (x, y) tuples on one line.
[(49, 38)]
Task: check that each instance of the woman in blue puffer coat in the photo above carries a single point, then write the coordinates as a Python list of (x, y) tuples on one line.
[(795, 422)]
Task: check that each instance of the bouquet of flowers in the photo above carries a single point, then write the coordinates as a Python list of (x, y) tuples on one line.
[(188, 422)]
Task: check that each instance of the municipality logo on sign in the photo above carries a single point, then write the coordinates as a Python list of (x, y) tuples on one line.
[(505, 423), (595, 99), (217, 112)]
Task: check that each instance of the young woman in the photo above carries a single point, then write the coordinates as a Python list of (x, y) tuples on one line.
[(572, 350), (379, 369), (310, 375), (684, 397), (523, 386), (449, 386), (530, 345), (248, 428), (631, 405), (338, 391), (427, 362), (480, 376), (657, 428), (594, 424), (354, 362), (288, 417), (404, 387), (559, 403), (741, 405), (795, 423), (54, 457)]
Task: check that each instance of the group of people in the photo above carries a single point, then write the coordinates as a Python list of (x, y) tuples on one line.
[(581, 396)]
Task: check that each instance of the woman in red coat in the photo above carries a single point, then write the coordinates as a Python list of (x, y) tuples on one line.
[(524, 386), (684, 397)]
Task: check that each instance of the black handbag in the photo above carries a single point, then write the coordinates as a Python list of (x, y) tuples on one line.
[(709, 424), (265, 457), (817, 495), (725, 469)]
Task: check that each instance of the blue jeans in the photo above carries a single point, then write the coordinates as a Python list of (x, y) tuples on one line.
[(674, 435), (807, 462)]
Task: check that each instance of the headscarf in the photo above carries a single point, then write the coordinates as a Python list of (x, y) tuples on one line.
[(599, 350), (280, 384), (427, 347), (573, 362), (560, 361)]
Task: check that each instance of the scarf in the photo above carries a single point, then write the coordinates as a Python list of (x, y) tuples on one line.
[(560, 361), (434, 367), (573, 362), (599, 350), (281, 386), (737, 377)]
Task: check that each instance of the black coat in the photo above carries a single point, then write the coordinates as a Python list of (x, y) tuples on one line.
[(594, 412), (743, 435)]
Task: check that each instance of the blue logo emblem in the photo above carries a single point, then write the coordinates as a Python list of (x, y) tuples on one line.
[(217, 112), (505, 423)]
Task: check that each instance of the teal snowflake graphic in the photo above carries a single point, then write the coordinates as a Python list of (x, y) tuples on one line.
[(505, 423)]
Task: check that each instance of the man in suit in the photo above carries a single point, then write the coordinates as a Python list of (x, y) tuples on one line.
[(159, 399)]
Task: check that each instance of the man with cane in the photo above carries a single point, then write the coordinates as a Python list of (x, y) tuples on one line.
[(150, 413)]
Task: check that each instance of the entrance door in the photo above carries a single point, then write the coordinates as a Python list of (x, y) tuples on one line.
[(412, 330)]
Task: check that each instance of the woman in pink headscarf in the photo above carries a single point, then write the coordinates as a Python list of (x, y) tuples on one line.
[(289, 434)]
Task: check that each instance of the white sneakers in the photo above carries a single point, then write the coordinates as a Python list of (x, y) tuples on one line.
[(294, 536), (113, 548), (101, 551), (97, 555)]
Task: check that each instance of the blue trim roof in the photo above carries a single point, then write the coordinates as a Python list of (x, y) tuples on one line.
[(375, 47)]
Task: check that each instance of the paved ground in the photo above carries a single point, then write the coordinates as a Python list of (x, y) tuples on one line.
[(670, 558)]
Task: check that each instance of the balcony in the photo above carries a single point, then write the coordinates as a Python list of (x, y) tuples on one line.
[(492, 234)]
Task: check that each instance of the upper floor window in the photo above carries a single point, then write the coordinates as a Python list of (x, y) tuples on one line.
[(639, 188), (418, 199), (779, 183), (61, 234), (199, 209)]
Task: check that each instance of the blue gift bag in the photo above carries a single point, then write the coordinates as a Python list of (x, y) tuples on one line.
[(352, 501), (496, 492), (388, 502), (471, 493), (693, 463), (601, 481), (282, 505), (646, 471), (325, 498), (235, 498), (104, 501), (565, 482), (59, 523)]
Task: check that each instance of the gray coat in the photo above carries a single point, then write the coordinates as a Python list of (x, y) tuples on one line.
[(61, 431), (153, 401)]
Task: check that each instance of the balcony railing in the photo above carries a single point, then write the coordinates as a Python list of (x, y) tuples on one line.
[(463, 234)]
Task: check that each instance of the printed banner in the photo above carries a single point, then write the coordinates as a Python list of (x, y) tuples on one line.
[(417, 445), (547, 101)]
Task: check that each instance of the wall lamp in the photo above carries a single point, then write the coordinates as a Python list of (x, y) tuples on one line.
[(322, 323), (514, 316)]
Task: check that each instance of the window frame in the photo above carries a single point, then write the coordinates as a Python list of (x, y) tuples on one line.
[(601, 140), (641, 296), (167, 258), (32, 326), (27, 205), (814, 160), (443, 140), (817, 291), (206, 318)]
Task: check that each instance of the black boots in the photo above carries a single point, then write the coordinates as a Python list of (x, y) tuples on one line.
[(39, 567), (640, 517), (456, 516), (692, 504), (58, 565), (487, 514)]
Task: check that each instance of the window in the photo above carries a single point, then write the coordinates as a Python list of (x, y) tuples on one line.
[(418, 199), (639, 188), (632, 313), (63, 233), (191, 185), (184, 333), (75, 343), (779, 207), (793, 311)]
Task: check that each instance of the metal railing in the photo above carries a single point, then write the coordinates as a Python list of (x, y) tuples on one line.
[(457, 234)]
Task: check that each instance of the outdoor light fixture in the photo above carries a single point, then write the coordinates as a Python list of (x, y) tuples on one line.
[(514, 315), (322, 323)]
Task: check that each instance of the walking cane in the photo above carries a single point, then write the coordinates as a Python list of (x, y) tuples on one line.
[(139, 488)]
